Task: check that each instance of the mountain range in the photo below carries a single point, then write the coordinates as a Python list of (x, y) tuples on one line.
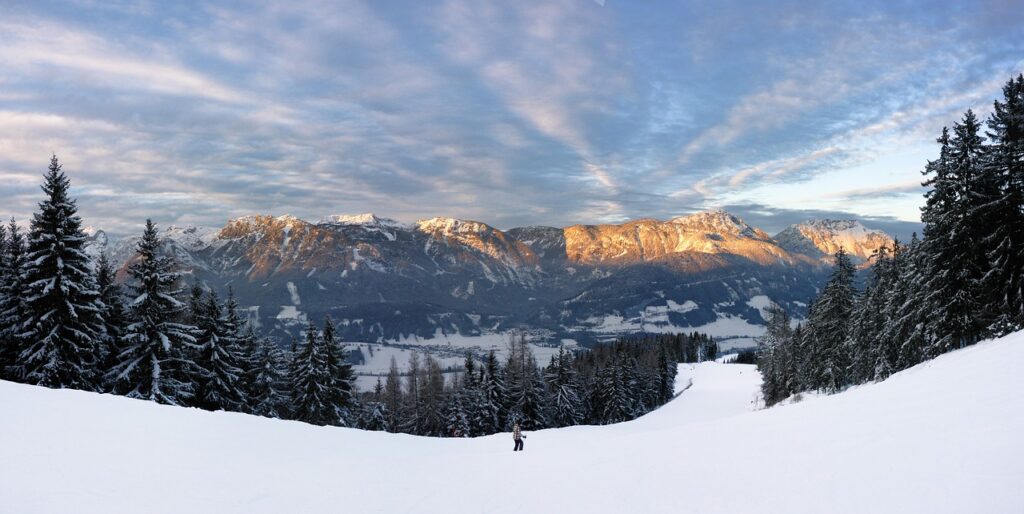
[(385, 281)]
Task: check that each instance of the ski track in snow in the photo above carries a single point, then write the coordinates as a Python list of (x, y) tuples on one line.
[(944, 436)]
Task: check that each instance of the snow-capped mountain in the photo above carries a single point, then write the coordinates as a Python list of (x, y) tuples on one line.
[(382, 280), (823, 238)]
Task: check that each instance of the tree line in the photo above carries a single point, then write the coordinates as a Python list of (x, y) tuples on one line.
[(960, 283), (610, 383), (68, 322)]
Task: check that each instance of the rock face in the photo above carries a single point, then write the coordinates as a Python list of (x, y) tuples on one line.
[(382, 280), (823, 238)]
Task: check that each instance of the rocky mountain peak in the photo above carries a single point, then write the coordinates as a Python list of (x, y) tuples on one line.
[(368, 219), (822, 238), (718, 221)]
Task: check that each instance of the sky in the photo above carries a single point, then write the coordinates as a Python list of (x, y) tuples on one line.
[(511, 113)]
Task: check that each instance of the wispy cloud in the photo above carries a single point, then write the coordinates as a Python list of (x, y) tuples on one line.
[(517, 113)]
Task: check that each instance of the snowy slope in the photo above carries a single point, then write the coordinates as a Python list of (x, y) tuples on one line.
[(940, 437)]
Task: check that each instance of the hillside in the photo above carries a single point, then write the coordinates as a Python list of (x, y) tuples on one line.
[(940, 437)]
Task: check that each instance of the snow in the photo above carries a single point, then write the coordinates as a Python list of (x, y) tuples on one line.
[(941, 437), (293, 292)]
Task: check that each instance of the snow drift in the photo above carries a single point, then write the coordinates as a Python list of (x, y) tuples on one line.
[(944, 436)]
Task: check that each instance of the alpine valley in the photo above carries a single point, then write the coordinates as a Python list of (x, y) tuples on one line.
[(444, 278)]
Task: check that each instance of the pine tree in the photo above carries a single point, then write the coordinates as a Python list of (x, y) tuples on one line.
[(955, 262), (13, 310), (152, 364), (313, 387), (775, 356), (491, 415), (113, 315), (866, 345), (374, 413), (1003, 211), (63, 326), (216, 361), (268, 388), (340, 371), (526, 391), (412, 408), (828, 327), (564, 403)]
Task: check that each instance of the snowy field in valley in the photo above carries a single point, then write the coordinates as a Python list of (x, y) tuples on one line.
[(944, 436)]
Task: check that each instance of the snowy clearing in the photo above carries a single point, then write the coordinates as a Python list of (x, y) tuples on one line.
[(940, 437)]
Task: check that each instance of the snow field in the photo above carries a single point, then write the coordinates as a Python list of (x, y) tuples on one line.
[(940, 437)]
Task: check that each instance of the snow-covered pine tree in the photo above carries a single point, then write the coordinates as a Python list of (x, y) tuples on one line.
[(955, 257), (775, 356), (114, 317), (312, 384), (268, 386), (156, 341), (865, 343), (341, 372), (456, 417), (63, 325), (491, 412), (526, 392), (374, 415), (565, 407), (12, 303), (217, 364), (828, 327), (1004, 212), (668, 369)]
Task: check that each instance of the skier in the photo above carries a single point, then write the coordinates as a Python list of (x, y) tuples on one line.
[(517, 434)]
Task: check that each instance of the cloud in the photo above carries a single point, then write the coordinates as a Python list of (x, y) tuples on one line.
[(514, 114)]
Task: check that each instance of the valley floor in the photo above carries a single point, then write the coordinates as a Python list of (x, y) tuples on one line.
[(941, 437)]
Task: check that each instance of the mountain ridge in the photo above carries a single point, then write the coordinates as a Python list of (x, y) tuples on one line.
[(385, 281)]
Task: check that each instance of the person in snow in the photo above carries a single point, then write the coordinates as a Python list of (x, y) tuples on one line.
[(517, 435)]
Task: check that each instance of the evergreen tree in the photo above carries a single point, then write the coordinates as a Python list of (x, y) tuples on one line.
[(491, 415), (526, 391), (340, 371), (152, 364), (268, 391), (313, 387), (828, 327), (217, 364), (1003, 211), (63, 325), (113, 315), (564, 402), (953, 249), (13, 309)]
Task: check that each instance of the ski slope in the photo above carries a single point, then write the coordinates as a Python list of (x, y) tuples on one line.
[(945, 436)]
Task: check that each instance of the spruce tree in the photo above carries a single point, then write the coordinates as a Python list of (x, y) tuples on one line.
[(340, 371), (152, 365), (12, 303), (828, 327), (564, 398), (312, 383), (63, 326), (954, 252), (1004, 211), (216, 362), (268, 388), (114, 317)]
